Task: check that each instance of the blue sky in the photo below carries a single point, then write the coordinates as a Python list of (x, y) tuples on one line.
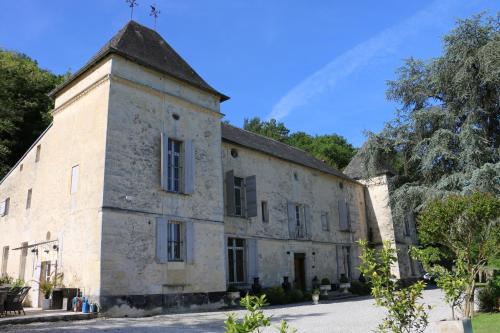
[(319, 66)]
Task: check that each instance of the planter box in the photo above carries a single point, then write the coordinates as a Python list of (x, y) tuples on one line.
[(345, 287), (46, 304), (325, 288), (315, 298), (454, 326)]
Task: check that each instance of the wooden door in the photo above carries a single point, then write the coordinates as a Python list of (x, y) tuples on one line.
[(300, 270)]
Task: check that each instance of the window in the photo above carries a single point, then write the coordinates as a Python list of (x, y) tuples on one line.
[(174, 241), (4, 207), (5, 258), (346, 250), (239, 197), (28, 199), (264, 211), (236, 260), (325, 224), (21, 168), (37, 157), (174, 165), (74, 178), (299, 222)]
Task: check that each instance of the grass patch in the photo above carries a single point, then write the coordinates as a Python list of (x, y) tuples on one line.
[(486, 323)]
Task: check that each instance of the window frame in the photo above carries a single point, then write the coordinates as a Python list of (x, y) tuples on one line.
[(172, 156), (264, 209), (6, 206), (241, 202), (75, 177), (29, 196), (346, 258), (173, 243), (234, 248), (299, 221), (37, 153)]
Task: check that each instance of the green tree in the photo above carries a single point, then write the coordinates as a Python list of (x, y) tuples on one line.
[(24, 105), (446, 134), (404, 312), (466, 230), (333, 149)]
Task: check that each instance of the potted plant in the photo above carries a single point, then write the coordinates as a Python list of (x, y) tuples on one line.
[(344, 283), (233, 294), (315, 296), (46, 287), (325, 286), (5, 282)]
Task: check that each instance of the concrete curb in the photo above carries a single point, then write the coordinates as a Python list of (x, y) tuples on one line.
[(47, 318)]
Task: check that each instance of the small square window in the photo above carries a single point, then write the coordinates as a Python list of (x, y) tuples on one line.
[(28, 199), (264, 212), (21, 167), (38, 150)]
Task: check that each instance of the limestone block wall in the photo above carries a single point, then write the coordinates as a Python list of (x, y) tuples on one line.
[(277, 184), (142, 105), (76, 137)]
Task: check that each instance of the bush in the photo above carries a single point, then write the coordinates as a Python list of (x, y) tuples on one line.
[(325, 281), (359, 288), (295, 295), (343, 279), (307, 296), (276, 295), (488, 296)]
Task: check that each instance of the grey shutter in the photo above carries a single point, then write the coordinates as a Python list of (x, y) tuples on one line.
[(342, 215), (161, 240), (251, 195), (252, 259), (164, 161), (226, 265), (348, 216), (189, 160), (307, 221), (230, 203), (292, 222), (338, 251), (189, 242)]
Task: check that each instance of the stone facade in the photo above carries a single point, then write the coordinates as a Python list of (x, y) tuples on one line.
[(102, 211)]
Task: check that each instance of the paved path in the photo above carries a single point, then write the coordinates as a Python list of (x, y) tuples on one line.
[(351, 315)]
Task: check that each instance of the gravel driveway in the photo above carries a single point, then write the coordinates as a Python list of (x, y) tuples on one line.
[(351, 315)]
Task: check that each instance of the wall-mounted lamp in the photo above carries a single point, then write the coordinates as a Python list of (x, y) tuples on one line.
[(288, 252), (55, 247)]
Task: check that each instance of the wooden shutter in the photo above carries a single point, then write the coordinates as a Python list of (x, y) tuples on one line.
[(348, 216), (338, 251), (230, 201), (189, 161), (292, 222), (342, 215), (252, 259), (161, 240), (251, 195), (307, 221), (164, 161), (189, 242)]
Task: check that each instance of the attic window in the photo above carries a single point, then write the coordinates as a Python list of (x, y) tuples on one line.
[(176, 116), (234, 152), (295, 175)]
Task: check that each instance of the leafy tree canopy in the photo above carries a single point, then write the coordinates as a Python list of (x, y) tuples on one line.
[(24, 105), (446, 135), (333, 149)]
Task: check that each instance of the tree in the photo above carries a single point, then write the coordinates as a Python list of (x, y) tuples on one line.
[(465, 229), (24, 105), (404, 313), (333, 149), (446, 134)]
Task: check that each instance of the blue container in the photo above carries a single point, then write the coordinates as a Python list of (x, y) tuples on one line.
[(86, 306)]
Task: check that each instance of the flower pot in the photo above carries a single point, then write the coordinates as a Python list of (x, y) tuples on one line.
[(46, 304), (345, 287), (454, 326), (315, 298), (233, 296), (325, 288)]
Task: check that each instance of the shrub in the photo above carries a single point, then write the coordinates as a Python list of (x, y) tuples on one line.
[(296, 295), (343, 279), (5, 279), (325, 281), (489, 295), (307, 296), (359, 288), (276, 295)]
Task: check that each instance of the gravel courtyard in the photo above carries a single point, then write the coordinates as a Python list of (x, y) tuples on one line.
[(351, 315)]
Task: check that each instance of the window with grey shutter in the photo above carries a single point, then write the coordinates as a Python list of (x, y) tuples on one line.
[(251, 195), (343, 215), (292, 221), (325, 224), (308, 221), (164, 161), (189, 171), (230, 201), (252, 259), (162, 240)]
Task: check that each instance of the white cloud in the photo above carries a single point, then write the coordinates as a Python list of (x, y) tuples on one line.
[(361, 55)]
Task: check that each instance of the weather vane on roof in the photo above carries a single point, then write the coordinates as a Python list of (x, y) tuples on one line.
[(154, 12), (132, 4)]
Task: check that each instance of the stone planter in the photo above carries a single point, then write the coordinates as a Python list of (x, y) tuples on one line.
[(233, 296), (454, 326), (46, 304), (344, 287), (325, 288), (315, 299)]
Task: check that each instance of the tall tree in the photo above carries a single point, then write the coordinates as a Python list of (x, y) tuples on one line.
[(446, 135), (333, 149), (24, 105)]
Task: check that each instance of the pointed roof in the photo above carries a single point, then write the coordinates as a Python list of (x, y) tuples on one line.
[(146, 47)]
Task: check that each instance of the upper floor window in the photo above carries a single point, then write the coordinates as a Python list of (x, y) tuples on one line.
[(298, 218), (28, 199), (74, 178), (177, 165), (174, 241), (38, 150), (174, 165), (4, 207), (264, 212), (325, 223), (241, 195)]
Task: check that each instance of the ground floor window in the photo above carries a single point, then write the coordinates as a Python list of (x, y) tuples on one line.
[(236, 260), (174, 241), (346, 250)]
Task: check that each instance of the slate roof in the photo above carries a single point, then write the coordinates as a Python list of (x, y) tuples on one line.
[(275, 148), (146, 47), (358, 169)]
